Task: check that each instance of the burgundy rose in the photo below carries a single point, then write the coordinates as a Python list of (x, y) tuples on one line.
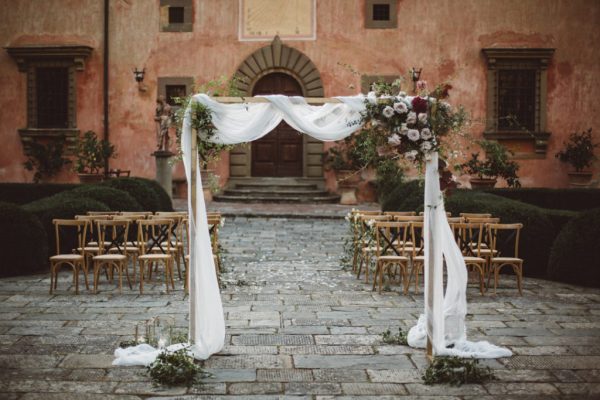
[(419, 105)]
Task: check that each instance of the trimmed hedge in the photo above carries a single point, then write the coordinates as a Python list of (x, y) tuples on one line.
[(576, 199), (540, 225), (23, 242), (60, 206), (406, 197), (575, 254), (537, 234), (165, 202), (23, 193), (141, 192), (115, 199)]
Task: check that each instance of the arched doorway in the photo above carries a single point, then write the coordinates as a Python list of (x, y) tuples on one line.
[(290, 65), (280, 152)]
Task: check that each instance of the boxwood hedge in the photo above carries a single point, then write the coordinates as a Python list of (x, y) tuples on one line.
[(23, 193), (163, 197), (23, 242), (575, 199), (115, 199), (575, 254), (141, 192)]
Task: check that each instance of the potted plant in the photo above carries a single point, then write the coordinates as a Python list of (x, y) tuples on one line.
[(579, 152), (91, 155), (46, 160), (347, 161), (485, 173)]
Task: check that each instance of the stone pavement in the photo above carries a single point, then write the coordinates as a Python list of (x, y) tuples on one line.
[(298, 327)]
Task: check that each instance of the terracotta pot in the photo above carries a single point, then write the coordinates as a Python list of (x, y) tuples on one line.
[(90, 178), (478, 183), (207, 177), (347, 178), (580, 179)]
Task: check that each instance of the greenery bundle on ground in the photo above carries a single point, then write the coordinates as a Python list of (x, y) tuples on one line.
[(23, 193), (141, 192), (23, 242), (175, 368), (456, 371), (400, 338), (575, 254)]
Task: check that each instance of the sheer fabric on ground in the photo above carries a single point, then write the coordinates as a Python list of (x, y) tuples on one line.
[(245, 122)]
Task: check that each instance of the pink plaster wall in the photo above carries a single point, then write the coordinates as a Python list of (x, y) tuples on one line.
[(445, 38)]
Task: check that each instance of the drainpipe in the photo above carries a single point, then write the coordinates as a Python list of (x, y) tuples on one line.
[(105, 80)]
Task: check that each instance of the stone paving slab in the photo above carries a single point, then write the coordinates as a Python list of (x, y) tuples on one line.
[(300, 327)]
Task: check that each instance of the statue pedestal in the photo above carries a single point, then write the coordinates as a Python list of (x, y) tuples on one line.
[(164, 170)]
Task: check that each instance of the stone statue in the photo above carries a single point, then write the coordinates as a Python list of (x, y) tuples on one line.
[(163, 123)]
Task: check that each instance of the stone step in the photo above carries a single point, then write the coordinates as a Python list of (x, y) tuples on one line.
[(267, 191), (278, 186), (277, 199)]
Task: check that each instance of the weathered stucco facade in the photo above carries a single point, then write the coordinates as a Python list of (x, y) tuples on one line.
[(445, 38)]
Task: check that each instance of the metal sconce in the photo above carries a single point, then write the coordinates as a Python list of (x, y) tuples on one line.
[(139, 75), (139, 78), (416, 75)]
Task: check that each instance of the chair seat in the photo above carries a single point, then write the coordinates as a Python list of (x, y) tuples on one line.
[(160, 256), (110, 257), (89, 249), (130, 249), (495, 260), (392, 258), (474, 260), (66, 257)]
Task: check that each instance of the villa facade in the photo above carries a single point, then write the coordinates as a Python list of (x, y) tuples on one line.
[(65, 71)]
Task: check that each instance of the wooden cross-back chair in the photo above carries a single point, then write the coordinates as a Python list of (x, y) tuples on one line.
[(73, 231), (156, 247), (391, 240), (504, 243), (177, 235), (91, 247), (366, 242), (400, 213), (475, 215), (417, 252), (112, 244), (97, 213), (356, 234), (468, 236), (409, 218)]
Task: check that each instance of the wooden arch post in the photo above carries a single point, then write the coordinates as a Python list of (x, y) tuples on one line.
[(194, 207)]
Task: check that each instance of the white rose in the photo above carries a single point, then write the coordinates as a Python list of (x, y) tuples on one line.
[(446, 106), (394, 140), (374, 123), (388, 112), (423, 118), (372, 97), (413, 134), (411, 155), (426, 134), (400, 108), (402, 94), (426, 146), (411, 118)]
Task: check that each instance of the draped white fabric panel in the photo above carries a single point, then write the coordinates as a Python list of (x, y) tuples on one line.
[(240, 123)]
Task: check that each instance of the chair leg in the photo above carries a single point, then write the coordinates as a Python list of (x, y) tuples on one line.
[(519, 273), (142, 276), (85, 274), (172, 273), (51, 276), (96, 276), (481, 281), (126, 267), (376, 274), (367, 266), (76, 274)]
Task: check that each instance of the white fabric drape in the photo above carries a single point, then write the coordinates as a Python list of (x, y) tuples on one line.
[(240, 123)]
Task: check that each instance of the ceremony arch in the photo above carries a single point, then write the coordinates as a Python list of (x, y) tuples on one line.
[(441, 328)]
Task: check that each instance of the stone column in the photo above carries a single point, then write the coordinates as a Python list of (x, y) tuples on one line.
[(164, 170)]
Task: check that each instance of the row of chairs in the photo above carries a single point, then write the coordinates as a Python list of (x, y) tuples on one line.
[(112, 241), (395, 239)]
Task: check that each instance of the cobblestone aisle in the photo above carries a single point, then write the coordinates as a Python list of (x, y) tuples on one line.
[(298, 326)]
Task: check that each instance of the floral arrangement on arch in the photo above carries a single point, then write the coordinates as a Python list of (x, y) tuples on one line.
[(410, 126)]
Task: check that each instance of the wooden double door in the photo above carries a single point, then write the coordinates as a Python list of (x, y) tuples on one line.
[(279, 153)]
